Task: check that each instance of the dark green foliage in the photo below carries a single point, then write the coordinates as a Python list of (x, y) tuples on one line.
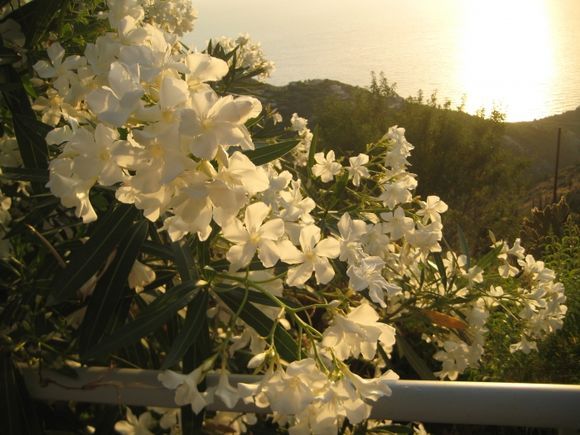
[(261, 323), (150, 319), (17, 411), (267, 153), (91, 256), (194, 324), (558, 357), (111, 287), (459, 157)]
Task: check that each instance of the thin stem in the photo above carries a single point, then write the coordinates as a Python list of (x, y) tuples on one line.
[(48, 246)]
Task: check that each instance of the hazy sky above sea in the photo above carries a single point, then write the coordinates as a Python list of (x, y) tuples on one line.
[(522, 56)]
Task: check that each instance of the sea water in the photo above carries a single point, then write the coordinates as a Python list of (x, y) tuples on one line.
[(520, 56)]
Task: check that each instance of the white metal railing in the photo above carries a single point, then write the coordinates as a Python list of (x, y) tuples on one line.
[(476, 403)]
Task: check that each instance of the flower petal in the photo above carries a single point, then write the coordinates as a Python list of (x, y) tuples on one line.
[(298, 275), (323, 269), (255, 215), (329, 247)]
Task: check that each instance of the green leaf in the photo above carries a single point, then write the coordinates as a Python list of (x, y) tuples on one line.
[(464, 246), (40, 12), (17, 412), (111, 287), (30, 132), (161, 278), (196, 315), (256, 297), (197, 353), (441, 268), (91, 256), (37, 175), (391, 428), (489, 258), (312, 150), (157, 250), (151, 317), (262, 324), (339, 186), (183, 258), (268, 153), (418, 364)]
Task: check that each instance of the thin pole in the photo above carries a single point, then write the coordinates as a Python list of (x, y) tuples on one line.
[(555, 196)]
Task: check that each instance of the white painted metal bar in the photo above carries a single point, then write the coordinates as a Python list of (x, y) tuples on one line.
[(478, 403)]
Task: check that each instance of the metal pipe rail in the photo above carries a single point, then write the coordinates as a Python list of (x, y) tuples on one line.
[(475, 403)]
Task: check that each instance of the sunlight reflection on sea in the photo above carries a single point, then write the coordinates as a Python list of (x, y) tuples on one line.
[(521, 56)]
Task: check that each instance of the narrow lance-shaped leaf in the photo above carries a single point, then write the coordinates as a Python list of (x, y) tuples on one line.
[(111, 287), (30, 132), (418, 364), (183, 260), (268, 153), (464, 246), (441, 268), (489, 258), (262, 324), (92, 255), (150, 318), (36, 175), (196, 354), (17, 412), (157, 250), (192, 327), (40, 12), (254, 296), (312, 150)]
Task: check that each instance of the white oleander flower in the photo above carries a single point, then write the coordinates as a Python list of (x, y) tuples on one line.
[(73, 191), (291, 391), (173, 16), (357, 169), (228, 394), (294, 206), (358, 334), (426, 237), (253, 235), (95, 155), (313, 257), (397, 224), (397, 191), (368, 274), (431, 209), (59, 68), (326, 167), (351, 233), (140, 276), (185, 386), (115, 103), (213, 121), (202, 68), (135, 425)]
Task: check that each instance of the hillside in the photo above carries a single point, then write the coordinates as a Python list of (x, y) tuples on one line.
[(537, 139), (534, 141)]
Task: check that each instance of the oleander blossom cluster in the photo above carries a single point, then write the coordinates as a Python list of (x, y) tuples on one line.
[(342, 239), (250, 54), (172, 16)]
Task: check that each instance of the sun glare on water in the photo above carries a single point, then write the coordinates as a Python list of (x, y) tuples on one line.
[(506, 56)]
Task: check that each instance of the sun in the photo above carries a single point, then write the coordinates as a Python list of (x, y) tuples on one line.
[(506, 56)]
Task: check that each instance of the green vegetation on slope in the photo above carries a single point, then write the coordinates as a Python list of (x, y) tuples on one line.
[(459, 157)]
